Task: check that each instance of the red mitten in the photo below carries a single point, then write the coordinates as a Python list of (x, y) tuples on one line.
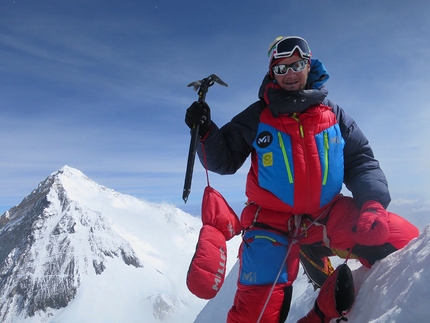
[(372, 226), (207, 269)]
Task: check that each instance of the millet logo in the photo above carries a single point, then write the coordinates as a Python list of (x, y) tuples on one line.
[(335, 140), (221, 270), (264, 139), (250, 277)]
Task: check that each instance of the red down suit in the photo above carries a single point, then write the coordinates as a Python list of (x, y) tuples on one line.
[(291, 168), (300, 157)]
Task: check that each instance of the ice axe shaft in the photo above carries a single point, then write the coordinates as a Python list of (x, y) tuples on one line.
[(202, 87)]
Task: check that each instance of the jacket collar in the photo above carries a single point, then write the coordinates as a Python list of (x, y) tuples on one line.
[(288, 102)]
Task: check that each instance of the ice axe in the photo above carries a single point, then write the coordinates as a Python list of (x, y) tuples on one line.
[(202, 87)]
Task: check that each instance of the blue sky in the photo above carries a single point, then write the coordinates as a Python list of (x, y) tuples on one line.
[(101, 86)]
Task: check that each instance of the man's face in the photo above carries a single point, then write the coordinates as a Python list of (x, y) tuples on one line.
[(292, 81)]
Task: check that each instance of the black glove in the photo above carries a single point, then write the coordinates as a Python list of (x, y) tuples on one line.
[(199, 113)]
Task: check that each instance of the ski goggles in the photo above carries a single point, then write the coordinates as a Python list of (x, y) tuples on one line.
[(283, 47), (282, 69)]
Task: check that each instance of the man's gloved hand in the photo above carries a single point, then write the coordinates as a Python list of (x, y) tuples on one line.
[(199, 113), (372, 227)]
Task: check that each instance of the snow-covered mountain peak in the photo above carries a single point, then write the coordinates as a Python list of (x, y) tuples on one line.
[(75, 181), (55, 240), (70, 172), (72, 241)]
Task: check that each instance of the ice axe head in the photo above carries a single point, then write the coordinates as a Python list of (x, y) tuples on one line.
[(203, 85)]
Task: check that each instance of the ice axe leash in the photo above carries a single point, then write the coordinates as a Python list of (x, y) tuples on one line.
[(202, 87)]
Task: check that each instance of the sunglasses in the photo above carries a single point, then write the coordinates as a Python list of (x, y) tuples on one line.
[(286, 46), (296, 67)]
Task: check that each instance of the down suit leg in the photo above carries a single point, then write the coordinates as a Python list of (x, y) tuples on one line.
[(268, 266), (342, 217), (331, 233)]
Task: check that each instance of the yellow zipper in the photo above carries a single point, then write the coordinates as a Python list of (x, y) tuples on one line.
[(294, 116), (326, 148), (265, 237), (284, 153)]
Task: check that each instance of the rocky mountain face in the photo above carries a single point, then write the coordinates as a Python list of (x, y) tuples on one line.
[(68, 232)]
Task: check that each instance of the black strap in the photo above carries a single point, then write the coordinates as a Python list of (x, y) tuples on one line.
[(268, 227)]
